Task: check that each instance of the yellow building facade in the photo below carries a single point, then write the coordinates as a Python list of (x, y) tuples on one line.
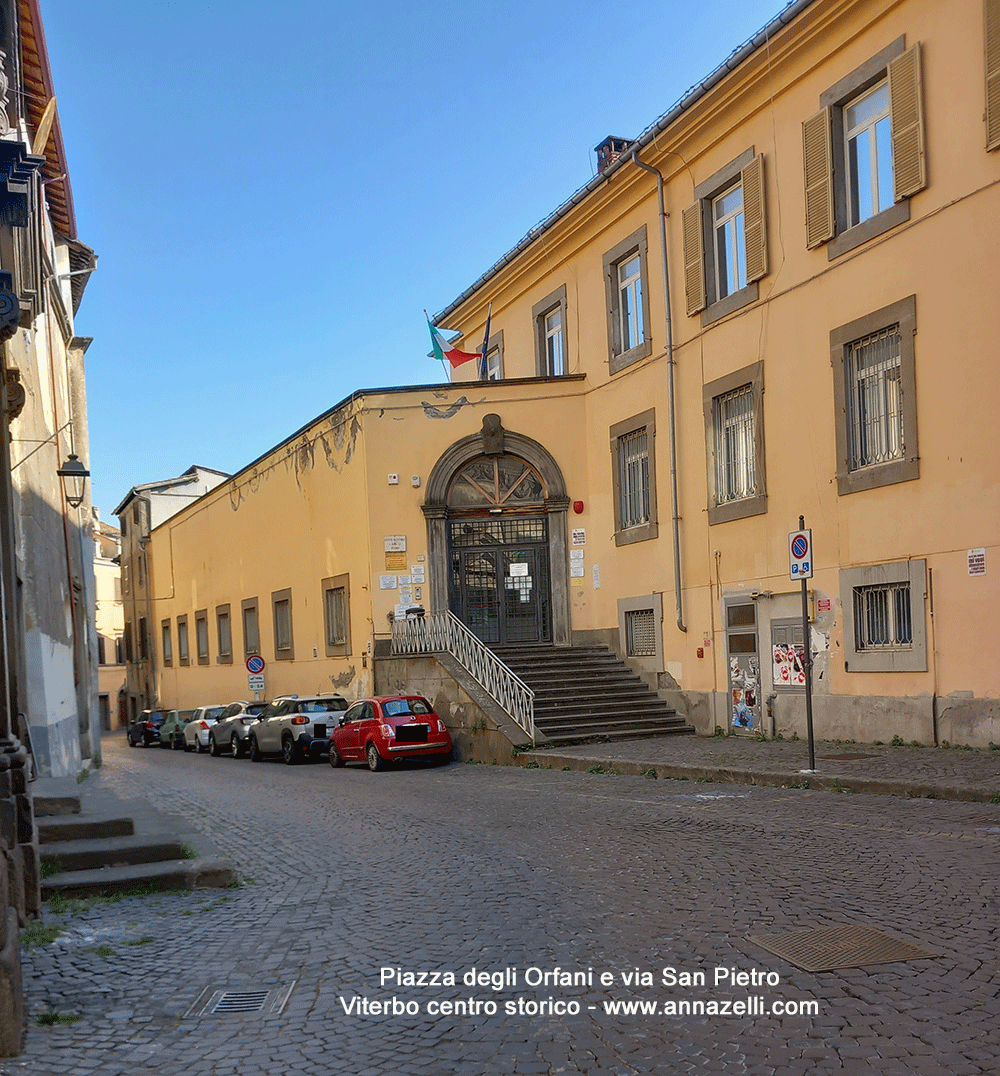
[(776, 302)]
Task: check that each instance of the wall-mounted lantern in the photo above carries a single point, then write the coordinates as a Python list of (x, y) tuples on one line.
[(74, 476)]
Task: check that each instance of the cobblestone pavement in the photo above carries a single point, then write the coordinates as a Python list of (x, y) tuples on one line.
[(939, 773), (461, 867)]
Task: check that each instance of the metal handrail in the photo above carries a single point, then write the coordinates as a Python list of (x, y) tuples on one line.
[(443, 632)]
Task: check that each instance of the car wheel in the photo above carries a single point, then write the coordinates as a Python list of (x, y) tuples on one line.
[(236, 745), (145, 742), (375, 760), (213, 748), (288, 751), (132, 742), (255, 755), (335, 759), (188, 746), (201, 749)]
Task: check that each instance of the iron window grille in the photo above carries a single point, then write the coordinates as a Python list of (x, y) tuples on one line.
[(882, 617), (640, 633), (633, 475), (735, 454), (875, 400), (336, 616)]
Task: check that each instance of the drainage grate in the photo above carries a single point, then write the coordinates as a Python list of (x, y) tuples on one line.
[(213, 1001), (845, 946)]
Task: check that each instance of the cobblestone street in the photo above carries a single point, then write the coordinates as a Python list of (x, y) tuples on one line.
[(347, 873)]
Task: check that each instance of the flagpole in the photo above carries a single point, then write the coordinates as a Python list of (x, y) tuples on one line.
[(444, 365)]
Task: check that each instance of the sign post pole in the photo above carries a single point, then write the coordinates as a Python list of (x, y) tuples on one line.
[(801, 567)]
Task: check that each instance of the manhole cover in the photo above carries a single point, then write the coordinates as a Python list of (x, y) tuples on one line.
[(846, 758), (845, 946), (218, 1001)]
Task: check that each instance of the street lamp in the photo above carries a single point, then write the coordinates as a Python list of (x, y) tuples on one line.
[(75, 475)]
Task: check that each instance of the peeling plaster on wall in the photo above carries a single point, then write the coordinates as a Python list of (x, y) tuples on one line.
[(235, 496), (331, 460), (355, 430), (254, 480), (447, 412), (345, 679), (441, 394)]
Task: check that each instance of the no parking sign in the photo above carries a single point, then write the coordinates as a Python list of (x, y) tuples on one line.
[(800, 555)]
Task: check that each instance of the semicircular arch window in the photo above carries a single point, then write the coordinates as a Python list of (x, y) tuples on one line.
[(497, 482)]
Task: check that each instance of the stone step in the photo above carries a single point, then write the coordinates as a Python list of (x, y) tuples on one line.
[(623, 732), (55, 806), (83, 828), (599, 721), (208, 873), (111, 852)]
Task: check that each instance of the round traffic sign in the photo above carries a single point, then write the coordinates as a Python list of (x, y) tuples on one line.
[(800, 546), (255, 663)]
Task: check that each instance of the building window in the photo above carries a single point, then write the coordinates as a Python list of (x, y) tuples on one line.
[(549, 317), (201, 635), (129, 656), (492, 368), (251, 627), (868, 148), (634, 478), (991, 53), (281, 608), (625, 277), (101, 650), (224, 635), (863, 152), (730, 242), (337, 615), (725, 239), (733, 408), (143, 640), (183, 650), (640, 633), (883, 617), (166, 643), (875, 395)]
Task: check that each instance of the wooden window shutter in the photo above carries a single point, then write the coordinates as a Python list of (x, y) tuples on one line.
[(694, 259), (909, 161), (991, 31), (817, 168), (754, 224)]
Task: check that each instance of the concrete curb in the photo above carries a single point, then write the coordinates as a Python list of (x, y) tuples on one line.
[(817, 782)]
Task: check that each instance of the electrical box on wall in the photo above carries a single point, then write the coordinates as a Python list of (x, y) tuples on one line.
[(393, 479), (415, 481)]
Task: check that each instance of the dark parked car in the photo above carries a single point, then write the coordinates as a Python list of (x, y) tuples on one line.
[(145, 729), (389, 727)]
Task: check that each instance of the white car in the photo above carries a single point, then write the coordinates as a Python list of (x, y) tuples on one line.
[(295, 727), (196, 731), (230, 730)]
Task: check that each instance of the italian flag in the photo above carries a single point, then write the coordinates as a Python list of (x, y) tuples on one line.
[(443, 350)]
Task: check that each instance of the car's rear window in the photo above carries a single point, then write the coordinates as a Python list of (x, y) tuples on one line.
[(323, 706), (397, 707), (214, 711)]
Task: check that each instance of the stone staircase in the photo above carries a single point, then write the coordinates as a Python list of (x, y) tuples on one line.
[(89, 845), (584, 693)]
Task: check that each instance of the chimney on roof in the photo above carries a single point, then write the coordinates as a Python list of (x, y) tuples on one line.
[(610, 150)]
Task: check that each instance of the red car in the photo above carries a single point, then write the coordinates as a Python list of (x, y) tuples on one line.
[(389, 727)]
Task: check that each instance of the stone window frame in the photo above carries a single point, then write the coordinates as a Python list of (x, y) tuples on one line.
[(636, 243), (903, 314), (183, 641), (650, 529), (200, 623), (166, 643), (249, 603), (555, 300), (705, 194), (343, 583), (914, 657), (223, 656), (852, 86), (286, 653), (654, 603), (755, 505)]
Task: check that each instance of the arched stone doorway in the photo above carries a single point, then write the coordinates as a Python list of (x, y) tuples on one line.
[(496, 508)]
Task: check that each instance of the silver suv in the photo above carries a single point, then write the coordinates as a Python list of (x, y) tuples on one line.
[(295, 726), (232, 727)]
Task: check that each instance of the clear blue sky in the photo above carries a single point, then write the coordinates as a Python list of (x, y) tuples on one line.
[(277, 191)]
